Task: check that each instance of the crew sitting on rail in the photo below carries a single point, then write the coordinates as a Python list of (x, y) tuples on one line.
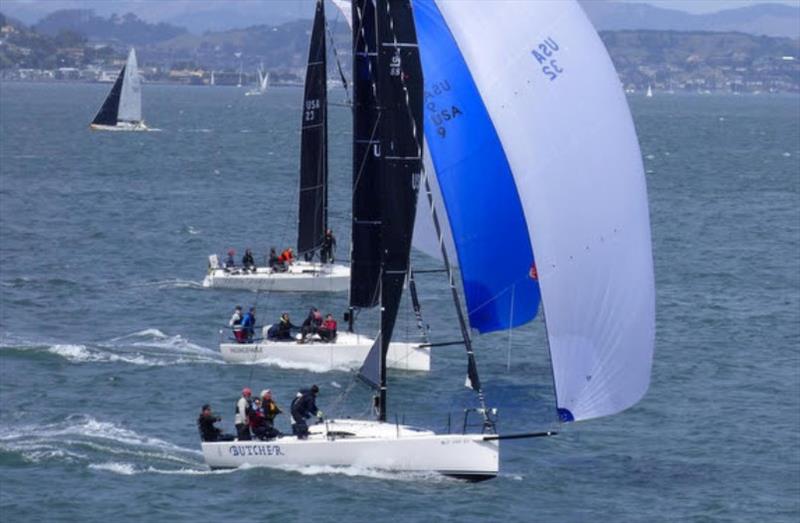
[(274, 261), (328, 329), (263, 423), (286, 257), (248, 262), (311, 324), (281, 330), (230, 263)]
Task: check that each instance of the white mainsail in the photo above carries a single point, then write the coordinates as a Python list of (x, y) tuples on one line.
[(130, 100), (556, 104)]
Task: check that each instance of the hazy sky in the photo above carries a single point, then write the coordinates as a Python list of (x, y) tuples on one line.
[(709, 6)]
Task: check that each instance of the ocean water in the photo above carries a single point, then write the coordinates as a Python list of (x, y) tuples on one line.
[(108, 342)]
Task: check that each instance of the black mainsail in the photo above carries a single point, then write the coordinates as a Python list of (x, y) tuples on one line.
[(107, 115), (365, 256), (313, 208), (399, 90)]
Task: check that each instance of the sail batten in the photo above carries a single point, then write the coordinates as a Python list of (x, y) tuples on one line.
[(313, 204)]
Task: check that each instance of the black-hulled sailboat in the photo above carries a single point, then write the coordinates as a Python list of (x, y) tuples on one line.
[(304, 274), (122, 109)]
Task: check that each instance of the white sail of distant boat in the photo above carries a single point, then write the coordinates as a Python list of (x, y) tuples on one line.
[(547, 126), (213, 80), (122, 108), (263, 83), (649, 92)]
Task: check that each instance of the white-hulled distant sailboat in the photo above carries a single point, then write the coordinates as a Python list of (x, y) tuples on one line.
[(521, 165), (263, 83), (122, 109), (302, 275)]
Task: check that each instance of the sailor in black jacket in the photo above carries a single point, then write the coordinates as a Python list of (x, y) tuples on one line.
[(304, 406)]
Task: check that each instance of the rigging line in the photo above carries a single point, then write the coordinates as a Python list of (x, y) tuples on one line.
[(472, 366), (510, 329), (336, 57)]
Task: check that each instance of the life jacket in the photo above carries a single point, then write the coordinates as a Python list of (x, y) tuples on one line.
[(286, 256), (329, 325)]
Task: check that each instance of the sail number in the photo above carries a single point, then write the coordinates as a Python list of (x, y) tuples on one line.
[(545, 53), (440, 114), (311, 109)]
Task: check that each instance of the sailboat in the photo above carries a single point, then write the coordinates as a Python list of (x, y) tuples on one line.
[(263, 83), (122, 109), (303, 275), (649, 93), (564, 179)]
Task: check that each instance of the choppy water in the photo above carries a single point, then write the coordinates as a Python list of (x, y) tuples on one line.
[(108, 342)]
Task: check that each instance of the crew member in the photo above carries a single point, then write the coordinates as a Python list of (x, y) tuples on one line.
[(242, 419), (248, 262), (269, 410), (328, 247), (235, 323), (286, 257), (282, 330), (328, 330), (248, 325), (311, 324), (230, 263), (205, 424), (304, 406)]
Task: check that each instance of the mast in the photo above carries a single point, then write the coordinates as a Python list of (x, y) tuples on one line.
[(399, 90), (313, 204)]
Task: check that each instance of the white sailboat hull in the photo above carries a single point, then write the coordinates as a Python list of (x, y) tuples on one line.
[(121, 126), (348, 351), (365, 444), (301, 277)]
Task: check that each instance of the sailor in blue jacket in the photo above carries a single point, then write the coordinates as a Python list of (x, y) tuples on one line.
[(304, 406), (249, 323)]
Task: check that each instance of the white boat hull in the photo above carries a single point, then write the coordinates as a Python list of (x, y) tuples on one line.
[(121, 126), (365, 444), (301, 277), (348, 351)]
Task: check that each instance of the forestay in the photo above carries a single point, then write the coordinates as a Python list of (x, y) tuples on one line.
[(551, 94)]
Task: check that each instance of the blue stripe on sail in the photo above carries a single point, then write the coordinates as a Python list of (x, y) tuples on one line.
[(486, 217)]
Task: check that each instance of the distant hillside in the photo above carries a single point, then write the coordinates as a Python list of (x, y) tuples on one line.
[(704, 60), (761, 19), (127, 29), (221, 15), (283, 46)]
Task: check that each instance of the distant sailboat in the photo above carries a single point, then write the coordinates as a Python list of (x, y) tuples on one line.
[(122, 109), (263, 83), (302, 275), (649, 92)]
